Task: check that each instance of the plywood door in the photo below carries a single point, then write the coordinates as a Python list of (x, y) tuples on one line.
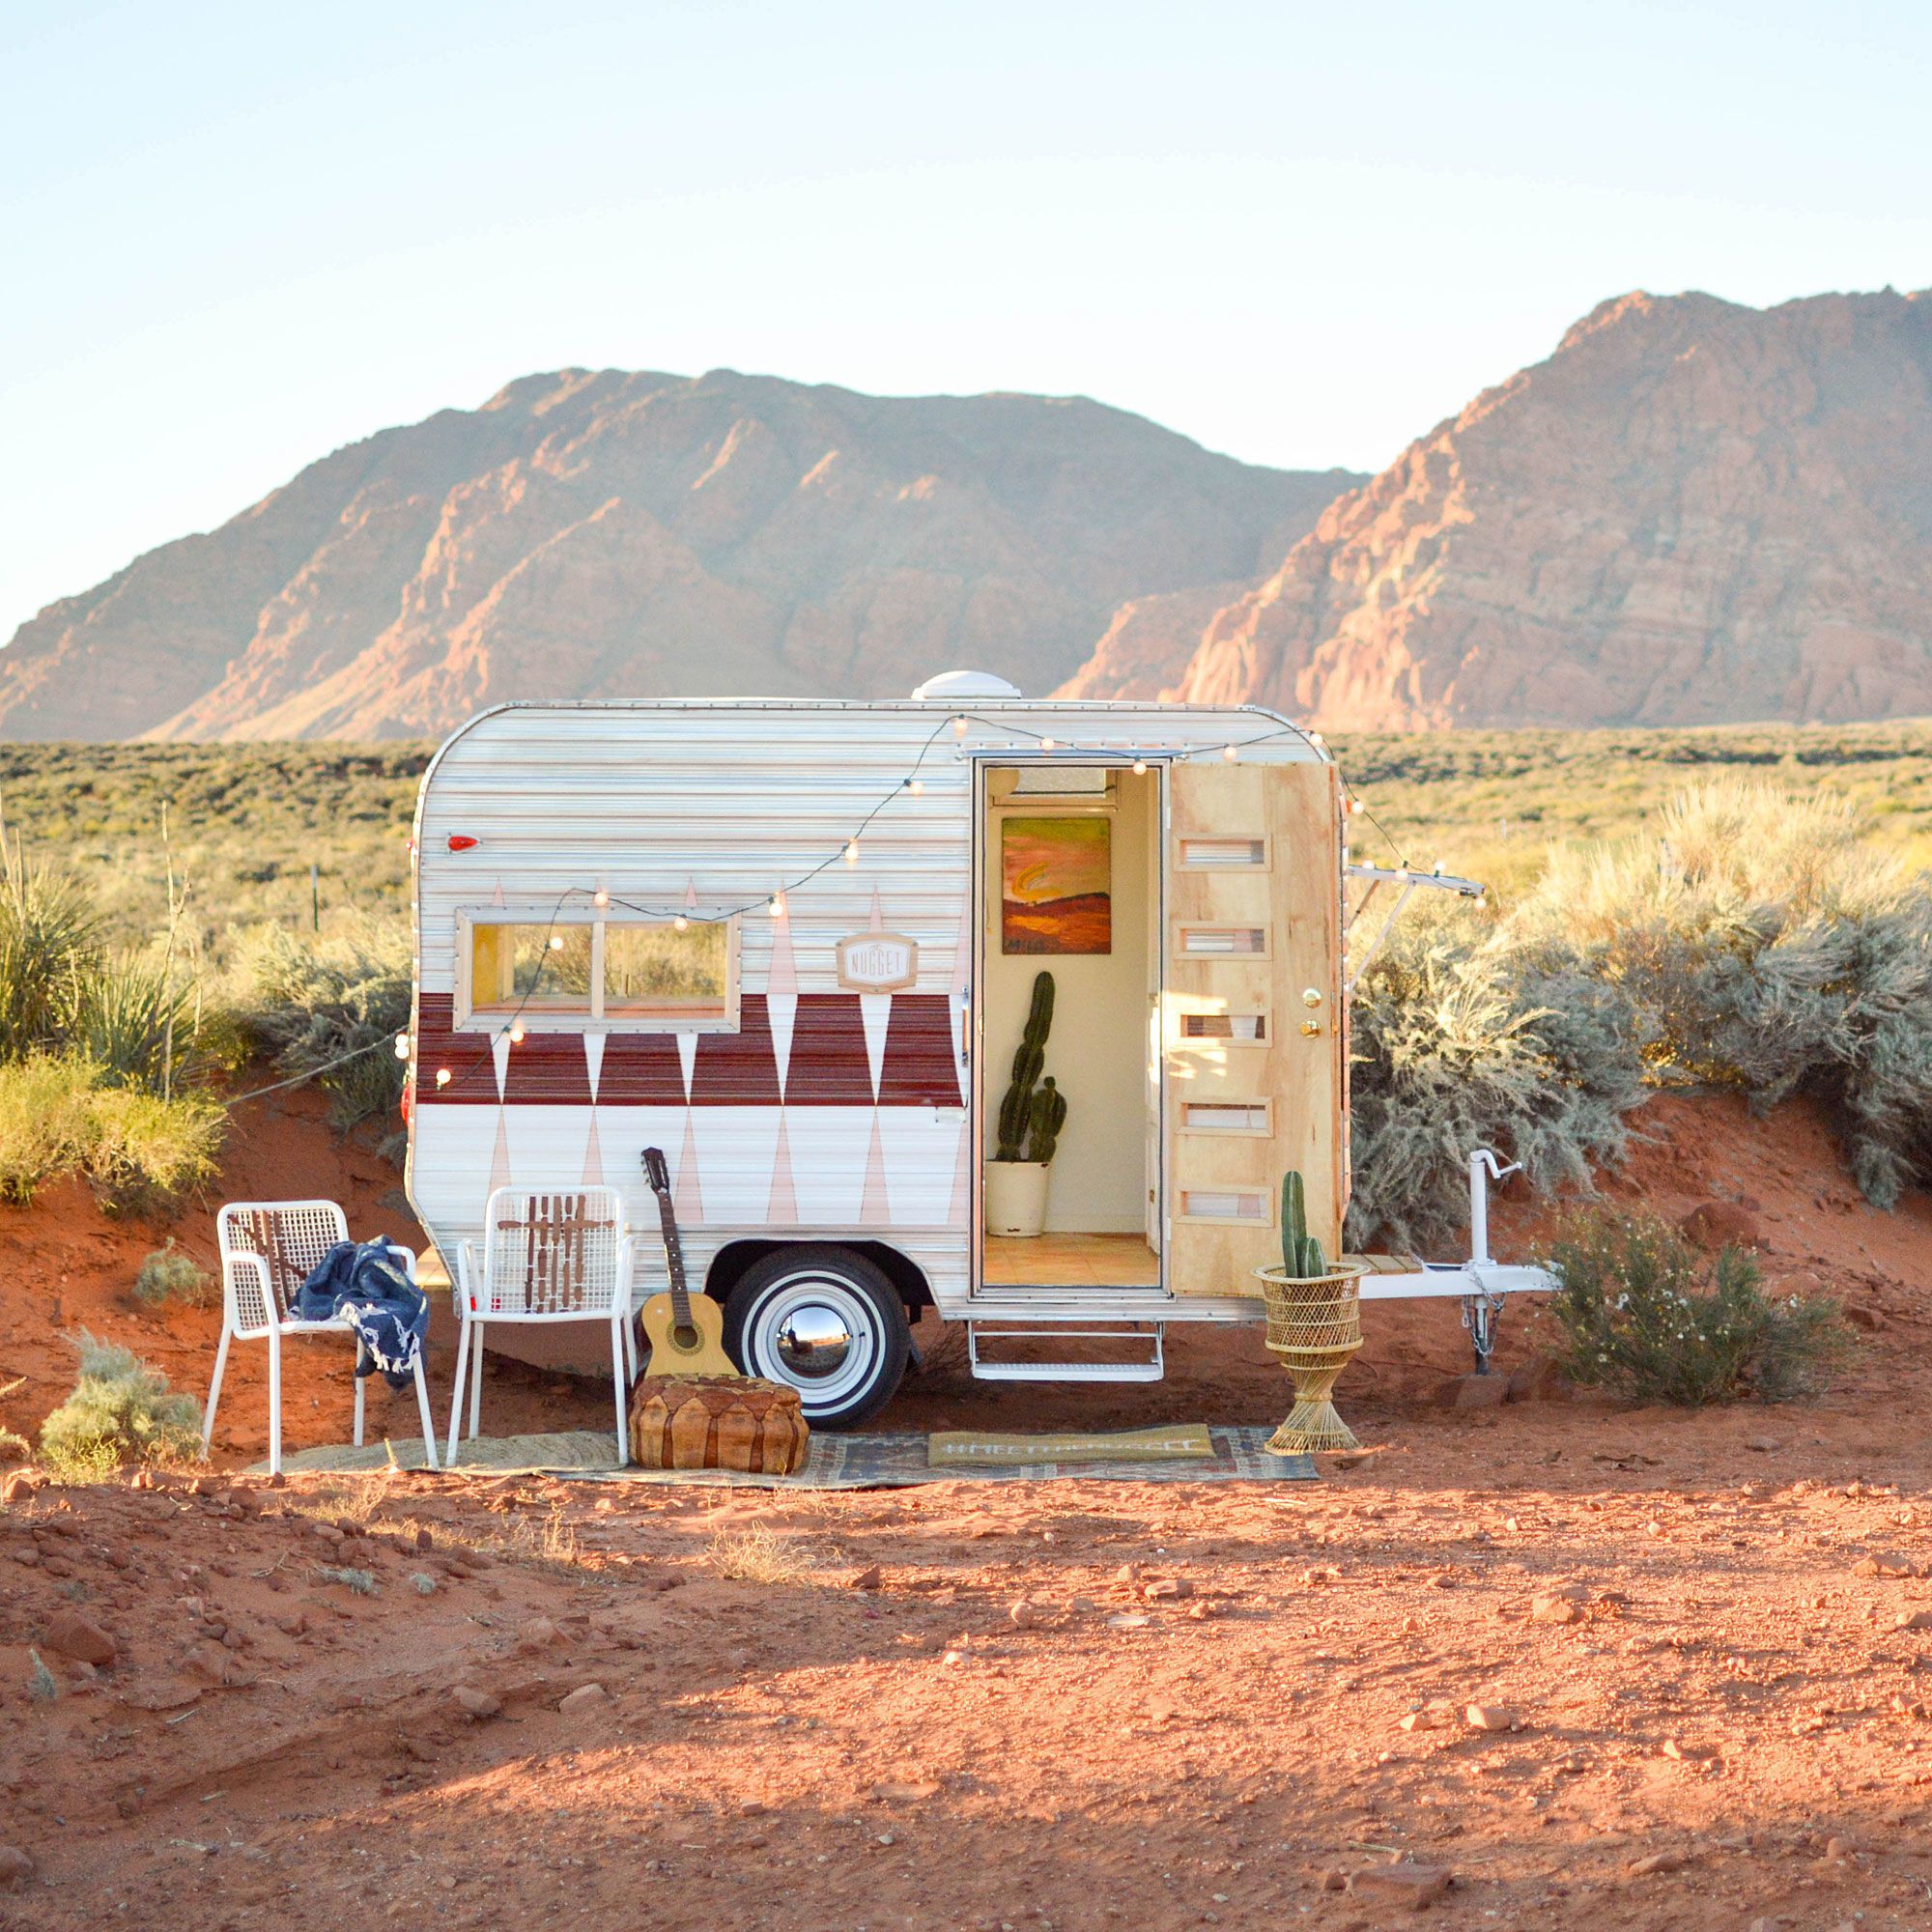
[(1251, 948)]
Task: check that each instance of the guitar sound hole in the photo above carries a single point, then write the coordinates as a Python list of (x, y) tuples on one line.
[(813, 1342), (686, 1337)]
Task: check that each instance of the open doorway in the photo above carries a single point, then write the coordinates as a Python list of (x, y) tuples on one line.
[(1070, 886)]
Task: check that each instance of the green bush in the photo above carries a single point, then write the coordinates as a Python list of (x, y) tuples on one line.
[(121, 1409), (308, 1002), (1643, 1315), (49, 944), (140, 1151), (170, 1275), (1455, 1046)]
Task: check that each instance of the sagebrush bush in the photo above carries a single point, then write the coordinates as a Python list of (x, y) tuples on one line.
[(1766, 946), (310, 1001), (170, 1275), (1456, 1046), (121, 1411), (139, 1151), (1643, 1315)]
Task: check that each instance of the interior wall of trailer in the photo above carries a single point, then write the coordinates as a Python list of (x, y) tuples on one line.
[(1098, 1048)]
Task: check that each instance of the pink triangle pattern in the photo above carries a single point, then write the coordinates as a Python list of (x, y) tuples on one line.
[(783, 1211), (687, 1196), (875, 1208), (878, 922), (496, 898), (782, 976), (593, 1155), (499, 1155)]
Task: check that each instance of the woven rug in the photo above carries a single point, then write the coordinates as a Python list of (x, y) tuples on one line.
[(839, 1461), (966, 1449)]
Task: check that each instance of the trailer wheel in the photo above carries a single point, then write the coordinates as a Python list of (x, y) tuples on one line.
[(825, 1321)]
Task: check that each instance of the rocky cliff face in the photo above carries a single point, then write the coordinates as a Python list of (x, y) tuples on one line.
[(1692, 513), (632, 535)]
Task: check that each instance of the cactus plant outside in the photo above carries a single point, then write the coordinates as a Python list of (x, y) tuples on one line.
[(1033, 1112), (1301, 1255)]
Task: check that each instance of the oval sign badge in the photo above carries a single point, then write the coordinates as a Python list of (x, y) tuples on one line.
[(877, 962)]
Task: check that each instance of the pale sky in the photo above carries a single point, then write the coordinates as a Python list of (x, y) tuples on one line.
[(233, 238)]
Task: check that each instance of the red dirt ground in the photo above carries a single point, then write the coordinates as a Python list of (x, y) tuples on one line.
[(1708, 1636)]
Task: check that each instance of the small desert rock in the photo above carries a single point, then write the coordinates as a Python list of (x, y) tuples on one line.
[(1490, 1717), (1021, 1615), (1402, 1885), (867, 1579), (475, 1703), (1554, 1610), (71, 1635), (585, 1698), (15, 1867)]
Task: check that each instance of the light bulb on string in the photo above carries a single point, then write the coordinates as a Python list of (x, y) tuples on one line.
[(681, 923), (852, 853), (1140, 768), (402, 1046), (1046, 744), (517, 1033), (917, 787), (1316, 738), (776, 908), (1229, 753), (442, 1076), (557, 941), (959, 728), (600, 898)]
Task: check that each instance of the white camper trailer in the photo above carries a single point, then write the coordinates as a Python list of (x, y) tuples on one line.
[(795, 946)]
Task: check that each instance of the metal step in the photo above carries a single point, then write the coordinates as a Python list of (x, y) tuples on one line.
[(1147, 1338)]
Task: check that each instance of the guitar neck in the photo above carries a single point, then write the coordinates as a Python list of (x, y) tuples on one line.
[(680, 1295)]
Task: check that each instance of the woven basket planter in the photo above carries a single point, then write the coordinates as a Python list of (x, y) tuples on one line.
[(1314, 1327)]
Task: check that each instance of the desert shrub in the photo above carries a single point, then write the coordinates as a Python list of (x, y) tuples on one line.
[(1642, 1314), (309, 1002), (1458, 1045), (139, 1151), (121, 1409), (142, 1023), (49, 942), (170, 1275)]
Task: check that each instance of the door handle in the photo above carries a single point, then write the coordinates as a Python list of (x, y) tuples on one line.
[(1311, 1027)]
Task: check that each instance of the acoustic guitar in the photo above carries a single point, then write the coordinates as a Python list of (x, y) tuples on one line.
[(686, 1332)]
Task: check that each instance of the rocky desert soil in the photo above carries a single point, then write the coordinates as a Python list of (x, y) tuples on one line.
[(1539, 1661)]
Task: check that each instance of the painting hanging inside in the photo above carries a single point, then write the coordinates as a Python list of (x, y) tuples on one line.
[(1057, 885)]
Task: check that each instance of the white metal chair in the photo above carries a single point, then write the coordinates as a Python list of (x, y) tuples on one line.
[(268, 1248), (563, 1255)]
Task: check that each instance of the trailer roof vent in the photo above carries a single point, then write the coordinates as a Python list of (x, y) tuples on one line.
[(950, 686)]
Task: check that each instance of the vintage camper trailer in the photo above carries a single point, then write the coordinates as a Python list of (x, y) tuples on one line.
[(795, 945)]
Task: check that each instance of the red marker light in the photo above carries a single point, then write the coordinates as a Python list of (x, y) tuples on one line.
[(461, 841)]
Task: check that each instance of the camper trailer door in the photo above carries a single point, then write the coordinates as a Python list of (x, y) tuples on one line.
[(1251, 1015)]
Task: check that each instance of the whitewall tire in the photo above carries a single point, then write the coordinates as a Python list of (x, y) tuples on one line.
[(825, 1321)]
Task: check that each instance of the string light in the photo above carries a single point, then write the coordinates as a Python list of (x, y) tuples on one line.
[(557, 941), (777, 905), (852, 853), (517, 1034), (600, 898), (1229, 753), (681, 923), (1140, 768), (402, 1046), (917, 787), (442, 1076), (1046, 744), (959, 728)]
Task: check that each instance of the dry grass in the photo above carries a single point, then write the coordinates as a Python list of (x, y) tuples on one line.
[(760, 1555)]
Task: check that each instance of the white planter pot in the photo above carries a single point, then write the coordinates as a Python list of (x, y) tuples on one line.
[(1017, 1197)]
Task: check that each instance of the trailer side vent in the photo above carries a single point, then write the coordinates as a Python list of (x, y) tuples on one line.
[(1241, 942), (1238, 1205), (1247, 1029), (1201, 855), (1224, 1116)]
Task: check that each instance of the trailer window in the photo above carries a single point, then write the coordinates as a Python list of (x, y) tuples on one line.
[(658, 970), (540, 968), (633, 976)]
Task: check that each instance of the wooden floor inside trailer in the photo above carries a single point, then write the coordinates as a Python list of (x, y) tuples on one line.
[(1071, 1260)]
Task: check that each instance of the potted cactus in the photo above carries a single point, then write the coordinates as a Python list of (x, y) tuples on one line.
[(1314, 1326), (1031, 1117)]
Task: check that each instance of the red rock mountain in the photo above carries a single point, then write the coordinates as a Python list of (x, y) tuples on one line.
[(621, 535), (1692, 513)]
